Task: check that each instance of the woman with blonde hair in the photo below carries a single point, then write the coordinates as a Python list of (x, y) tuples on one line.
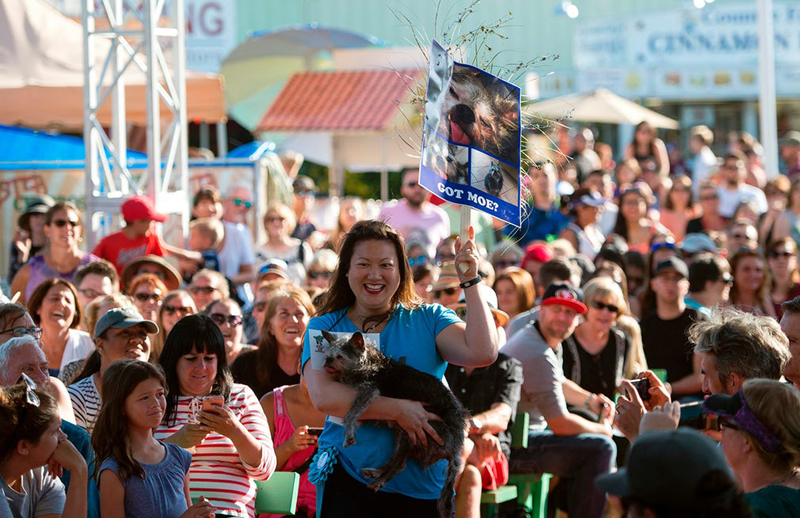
[(275, 361), (596, 354), (279, 222), (760, 427), (515, 291)]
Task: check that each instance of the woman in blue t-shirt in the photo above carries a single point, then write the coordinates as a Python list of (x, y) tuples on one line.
[(372, 291)]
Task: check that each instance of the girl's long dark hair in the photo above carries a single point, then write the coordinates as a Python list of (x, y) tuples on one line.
[(200, 334), (340, 296), (267, 352), (110, 436)]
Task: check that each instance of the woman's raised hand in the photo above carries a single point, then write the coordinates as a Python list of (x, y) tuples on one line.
[(466, 258)]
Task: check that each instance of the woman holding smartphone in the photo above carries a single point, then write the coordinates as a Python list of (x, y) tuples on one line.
[(220, 421)]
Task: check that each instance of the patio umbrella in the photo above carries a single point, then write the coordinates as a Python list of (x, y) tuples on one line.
[(599, 105), (256, 70)]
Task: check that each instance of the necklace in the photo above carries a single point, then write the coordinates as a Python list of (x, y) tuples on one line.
[(786, 478), (369, 329)]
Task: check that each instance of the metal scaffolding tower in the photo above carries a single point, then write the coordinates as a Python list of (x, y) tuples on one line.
[(125, 40)]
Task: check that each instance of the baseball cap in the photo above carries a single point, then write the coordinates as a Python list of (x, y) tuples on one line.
[(792, 138), (38, 204), (672, 264), (491, 299), (698, 242), (120, 318), (665, 469), (278, 267), (564, 294), (588, 198), (304, 183), (735, 408), (139, 207), (538, 252)]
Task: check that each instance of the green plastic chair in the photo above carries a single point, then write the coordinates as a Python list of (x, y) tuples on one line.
[(278, 495), (532, 488)]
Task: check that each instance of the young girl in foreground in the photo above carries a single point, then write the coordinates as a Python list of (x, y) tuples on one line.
[(135, 471)]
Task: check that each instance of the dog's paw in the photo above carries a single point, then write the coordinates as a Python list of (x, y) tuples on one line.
[(371, 472)]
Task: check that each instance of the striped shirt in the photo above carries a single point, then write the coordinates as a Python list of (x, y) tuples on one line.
[(85, 402), (217, 472)]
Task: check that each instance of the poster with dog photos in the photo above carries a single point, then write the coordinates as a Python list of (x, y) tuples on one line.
[(471, 138)]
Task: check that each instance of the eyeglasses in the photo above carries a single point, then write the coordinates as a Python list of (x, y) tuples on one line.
[(303, 193), (206, 290), (259, 306), (182, 311), (239, 202), (784, 254), (659, 246), (417, 261), (319, 274), (232, 320), (602, 305), (30, 396), (145, 297), (61, 223), (90, 293), (35, 332), (448, 291), (273, 219)]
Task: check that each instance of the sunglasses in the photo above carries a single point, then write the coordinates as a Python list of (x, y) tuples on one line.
[(232, 320), (317, 275), (602, 305), (239, 202), (206, 290), (30, 396), (659, 246), (35, 332), (418, 261), (182, 311), (448, 291), (303, 193), (61, 223), (785, 255), (727, 279), (145, 297)]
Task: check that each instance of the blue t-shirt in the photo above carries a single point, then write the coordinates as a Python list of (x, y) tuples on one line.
[(409, 335), (161, 492)]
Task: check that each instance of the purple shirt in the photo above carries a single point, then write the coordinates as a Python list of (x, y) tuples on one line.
[(40, 271)]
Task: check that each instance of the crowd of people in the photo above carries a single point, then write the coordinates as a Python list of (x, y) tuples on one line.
[(167, 380)]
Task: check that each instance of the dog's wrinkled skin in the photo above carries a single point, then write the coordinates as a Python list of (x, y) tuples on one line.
[(363, 367)]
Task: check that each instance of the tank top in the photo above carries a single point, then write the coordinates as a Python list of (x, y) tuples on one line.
[(284, 428), (40, 271)]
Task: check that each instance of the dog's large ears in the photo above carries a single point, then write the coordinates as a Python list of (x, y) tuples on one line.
[(358, 341), (329, 337)]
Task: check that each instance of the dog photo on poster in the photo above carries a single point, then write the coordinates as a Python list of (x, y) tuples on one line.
[(471, 138)]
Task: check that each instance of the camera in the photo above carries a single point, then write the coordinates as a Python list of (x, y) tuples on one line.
[(693, 416)]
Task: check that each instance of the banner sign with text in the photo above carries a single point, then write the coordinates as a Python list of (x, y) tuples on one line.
[(471, 138)]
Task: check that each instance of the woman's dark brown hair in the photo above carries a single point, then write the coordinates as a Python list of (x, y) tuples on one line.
[(267, 354), (38, 295), (340, 296), (21, 420)]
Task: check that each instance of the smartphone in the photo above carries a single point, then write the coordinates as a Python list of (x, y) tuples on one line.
[(210, 401), (642, 387), (693, 416), (314, 431)]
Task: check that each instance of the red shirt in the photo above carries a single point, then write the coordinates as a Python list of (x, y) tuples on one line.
[(119, 249)]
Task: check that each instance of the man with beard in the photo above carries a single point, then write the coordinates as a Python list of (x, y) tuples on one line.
[(571, 446), (734, 191), (414, 217)]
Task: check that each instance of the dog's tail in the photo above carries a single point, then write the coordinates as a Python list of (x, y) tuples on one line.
[(447, 497)]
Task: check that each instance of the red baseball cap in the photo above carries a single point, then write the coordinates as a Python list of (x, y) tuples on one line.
[(564, 294), (138, 207)]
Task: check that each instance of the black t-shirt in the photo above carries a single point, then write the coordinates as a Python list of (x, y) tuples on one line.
[(666, 344), (245, 371), (599, 373), (500, 382)]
